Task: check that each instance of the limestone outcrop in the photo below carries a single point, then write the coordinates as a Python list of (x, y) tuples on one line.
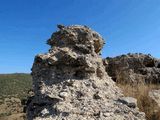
[(133, 68), (70, 82)]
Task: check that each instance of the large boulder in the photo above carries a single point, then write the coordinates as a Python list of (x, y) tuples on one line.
[(70, 82), (133, 68)]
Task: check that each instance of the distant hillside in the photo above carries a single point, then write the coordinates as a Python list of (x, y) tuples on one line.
[(16, 84)]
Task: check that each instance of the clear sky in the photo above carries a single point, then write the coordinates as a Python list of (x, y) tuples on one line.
[(126, 25)]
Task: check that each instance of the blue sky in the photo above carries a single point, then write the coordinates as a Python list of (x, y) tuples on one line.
[(126, 25)]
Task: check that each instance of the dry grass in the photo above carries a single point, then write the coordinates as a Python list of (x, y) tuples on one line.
[(145, 103)]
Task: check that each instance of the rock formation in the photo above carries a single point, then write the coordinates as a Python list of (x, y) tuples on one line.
[(155, 95), (70, 82), (133, 68)]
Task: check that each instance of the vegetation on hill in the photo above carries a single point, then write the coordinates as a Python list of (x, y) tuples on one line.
[(16, 85), (13, 89)]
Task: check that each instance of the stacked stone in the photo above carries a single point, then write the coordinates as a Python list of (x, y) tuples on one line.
[(70, 82)]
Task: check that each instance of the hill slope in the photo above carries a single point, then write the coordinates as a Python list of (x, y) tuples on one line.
[(15, 84)]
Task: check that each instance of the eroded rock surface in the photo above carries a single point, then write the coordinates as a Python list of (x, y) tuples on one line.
[(70, 82), (155, 95), (133, 68)]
